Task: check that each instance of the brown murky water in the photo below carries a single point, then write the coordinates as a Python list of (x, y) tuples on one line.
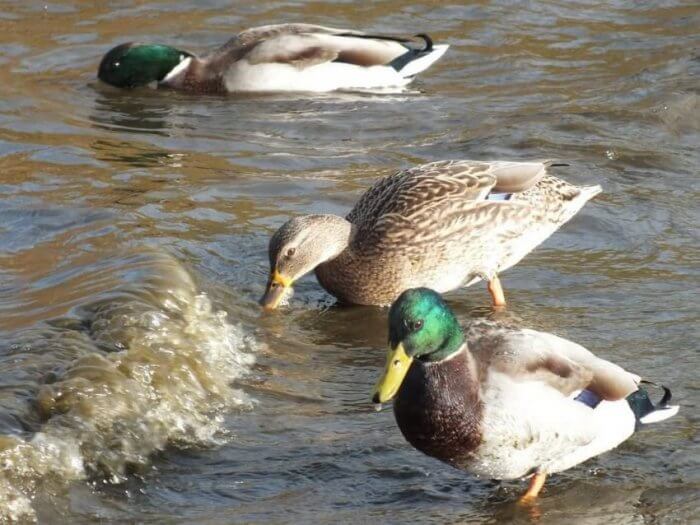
[(139, 381)]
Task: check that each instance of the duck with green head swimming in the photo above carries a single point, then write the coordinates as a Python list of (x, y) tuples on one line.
[(501, 402), (283, 57)]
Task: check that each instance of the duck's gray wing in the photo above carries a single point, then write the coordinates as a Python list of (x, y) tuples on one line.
[(305, 45), (529, 355), (515, 177)]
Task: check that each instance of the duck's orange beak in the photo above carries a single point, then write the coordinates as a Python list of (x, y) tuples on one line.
[(277, 288)]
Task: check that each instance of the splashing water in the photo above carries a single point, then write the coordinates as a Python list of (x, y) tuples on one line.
[(147, 366)]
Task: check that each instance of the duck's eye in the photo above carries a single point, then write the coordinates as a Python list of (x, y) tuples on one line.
[(290, 252), (416, 325)]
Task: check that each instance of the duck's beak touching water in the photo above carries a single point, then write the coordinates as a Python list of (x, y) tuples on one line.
[(397, 365), (278, 287)]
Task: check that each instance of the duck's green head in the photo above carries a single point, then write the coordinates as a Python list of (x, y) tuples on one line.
[(133, 65), (421, 326)]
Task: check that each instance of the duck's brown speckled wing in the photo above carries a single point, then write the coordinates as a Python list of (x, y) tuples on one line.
[(529, 355), (410, 192), (434, 205), (442, 206)]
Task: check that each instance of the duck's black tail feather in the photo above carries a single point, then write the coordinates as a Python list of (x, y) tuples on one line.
[(428, 41), (644, 409), (415, 60)]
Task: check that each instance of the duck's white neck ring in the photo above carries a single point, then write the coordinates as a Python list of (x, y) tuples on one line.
[(182, 66), (449, 357)]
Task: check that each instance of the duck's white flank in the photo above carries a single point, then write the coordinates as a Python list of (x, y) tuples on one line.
[(529, 424), (327, 76)]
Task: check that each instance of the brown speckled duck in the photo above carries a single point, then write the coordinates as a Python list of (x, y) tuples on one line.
[(440, 225), (283, 57), (504, 403)]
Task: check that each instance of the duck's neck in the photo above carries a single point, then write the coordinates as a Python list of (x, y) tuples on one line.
[(195, 75), (337, 234), (438, 407), (178, 73), (336, 237)]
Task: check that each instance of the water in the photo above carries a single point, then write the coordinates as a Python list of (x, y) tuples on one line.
[(140, 381)]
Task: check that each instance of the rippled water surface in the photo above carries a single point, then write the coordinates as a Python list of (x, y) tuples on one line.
[(138, 380)]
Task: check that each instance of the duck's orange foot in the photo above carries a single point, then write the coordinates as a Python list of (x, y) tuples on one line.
[(496, 291), (536, 483)]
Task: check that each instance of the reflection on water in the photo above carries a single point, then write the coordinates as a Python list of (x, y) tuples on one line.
[(114, 112), (121, 383)]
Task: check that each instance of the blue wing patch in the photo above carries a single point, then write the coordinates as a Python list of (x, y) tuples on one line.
[(588, 398), (498, 196)]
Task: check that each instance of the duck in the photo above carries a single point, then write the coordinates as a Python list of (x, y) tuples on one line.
[(441, 225), (504, 402), (273, 58)]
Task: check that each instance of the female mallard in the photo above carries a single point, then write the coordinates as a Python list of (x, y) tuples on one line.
[(504, 403), (441, 225), (285, 57)]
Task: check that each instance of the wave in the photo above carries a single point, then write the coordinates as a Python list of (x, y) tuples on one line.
[(146, 366)]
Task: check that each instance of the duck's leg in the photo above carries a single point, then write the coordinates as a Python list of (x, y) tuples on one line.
[(496, 291), (536, 484)]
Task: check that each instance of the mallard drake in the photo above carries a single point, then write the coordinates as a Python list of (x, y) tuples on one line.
[(441, 225), (504, 403), (284, 57)]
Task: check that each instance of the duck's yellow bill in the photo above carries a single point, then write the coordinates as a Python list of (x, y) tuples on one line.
[(277, 288), (397, 365)]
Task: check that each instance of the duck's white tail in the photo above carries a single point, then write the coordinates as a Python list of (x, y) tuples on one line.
[(423, 61), (588, 192), (660, 414)]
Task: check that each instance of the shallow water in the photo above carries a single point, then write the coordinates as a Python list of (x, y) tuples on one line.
[(140, 382)]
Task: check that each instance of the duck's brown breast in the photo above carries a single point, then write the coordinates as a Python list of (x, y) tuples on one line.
[(202, 78), (439, 411), (355, 279)]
